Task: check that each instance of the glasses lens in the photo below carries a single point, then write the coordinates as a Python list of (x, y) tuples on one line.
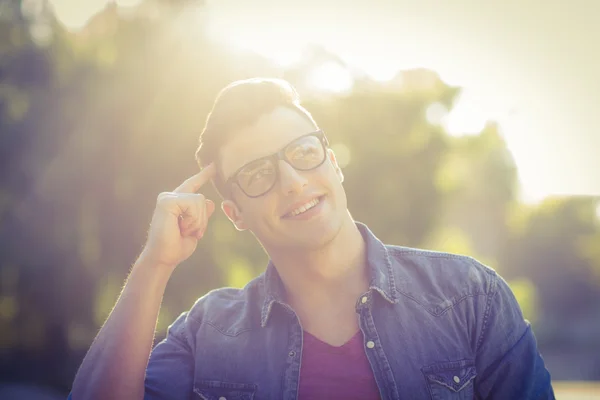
[(305, 153), (257, 177)]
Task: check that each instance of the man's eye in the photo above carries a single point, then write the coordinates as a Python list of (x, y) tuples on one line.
[(305, 152), (259, 174)]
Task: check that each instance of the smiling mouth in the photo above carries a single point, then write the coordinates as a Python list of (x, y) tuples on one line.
[(304, 208)]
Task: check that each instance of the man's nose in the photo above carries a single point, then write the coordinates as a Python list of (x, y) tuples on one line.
[(291, 180)]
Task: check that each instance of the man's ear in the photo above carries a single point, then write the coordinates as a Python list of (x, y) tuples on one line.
[(338, 170), (234, 214)]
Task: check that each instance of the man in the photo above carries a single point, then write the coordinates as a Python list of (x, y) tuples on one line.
[(336, 315)]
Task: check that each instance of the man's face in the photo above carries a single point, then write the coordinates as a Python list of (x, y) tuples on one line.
[(272, 217)]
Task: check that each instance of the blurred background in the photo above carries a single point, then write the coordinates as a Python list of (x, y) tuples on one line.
[(461, 126)]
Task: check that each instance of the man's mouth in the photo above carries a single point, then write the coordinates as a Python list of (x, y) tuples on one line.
[(304, 207)]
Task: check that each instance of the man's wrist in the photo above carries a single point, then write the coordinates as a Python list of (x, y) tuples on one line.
[(149, 268)]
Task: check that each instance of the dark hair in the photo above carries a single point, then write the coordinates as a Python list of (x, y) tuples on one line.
[(238, 105)]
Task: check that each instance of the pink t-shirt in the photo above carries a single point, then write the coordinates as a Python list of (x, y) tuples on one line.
[(329, 372)]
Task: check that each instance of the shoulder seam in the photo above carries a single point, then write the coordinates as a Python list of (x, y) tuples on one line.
[(485, 290), (428, 253), (486, 314)]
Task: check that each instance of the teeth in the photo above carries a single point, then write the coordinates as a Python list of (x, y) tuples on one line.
[(303, 208)]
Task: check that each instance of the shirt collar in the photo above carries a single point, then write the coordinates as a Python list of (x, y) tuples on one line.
[(380, 270)]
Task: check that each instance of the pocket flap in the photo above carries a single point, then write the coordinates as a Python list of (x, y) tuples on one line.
[(216, 390), (454, 375)]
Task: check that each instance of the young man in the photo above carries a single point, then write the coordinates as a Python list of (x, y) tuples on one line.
[(336, 315)]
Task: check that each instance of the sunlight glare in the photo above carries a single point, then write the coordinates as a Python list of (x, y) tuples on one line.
[(284, 58), (128, 3), (491, 87), (382, 72), (282, 50), (342, 154), (330, 77), (468, 117), (190, 24), (74, 14), (272, 39), (436, 113)]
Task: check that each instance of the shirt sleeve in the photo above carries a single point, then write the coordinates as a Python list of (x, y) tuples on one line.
[(170, 371), (508, 362)]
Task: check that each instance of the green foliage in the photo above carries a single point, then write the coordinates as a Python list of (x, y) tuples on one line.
[(525, 292), (555, 246)]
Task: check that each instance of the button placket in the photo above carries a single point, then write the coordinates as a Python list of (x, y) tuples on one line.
[(292, 368), (376, 355)]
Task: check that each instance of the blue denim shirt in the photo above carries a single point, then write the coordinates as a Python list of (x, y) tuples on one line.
[(435, 326)]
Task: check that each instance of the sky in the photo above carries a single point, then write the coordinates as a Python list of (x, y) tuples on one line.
[(533, 66)]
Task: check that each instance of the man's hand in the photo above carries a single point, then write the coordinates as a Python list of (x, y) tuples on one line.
[(105, 372), (179, 221)]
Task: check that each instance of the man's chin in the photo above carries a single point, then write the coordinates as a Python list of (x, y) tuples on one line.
[(318, 237)]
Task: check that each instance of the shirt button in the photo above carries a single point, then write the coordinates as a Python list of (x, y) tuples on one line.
[(292, 353), (222, 398), (364, 299), (370, 344), (456, 379)]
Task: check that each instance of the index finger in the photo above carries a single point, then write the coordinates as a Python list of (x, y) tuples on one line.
[(195, 182)]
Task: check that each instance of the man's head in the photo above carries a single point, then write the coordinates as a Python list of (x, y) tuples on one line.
[(273, 162)]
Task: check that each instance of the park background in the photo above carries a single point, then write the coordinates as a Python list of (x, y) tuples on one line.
[(466, 128)]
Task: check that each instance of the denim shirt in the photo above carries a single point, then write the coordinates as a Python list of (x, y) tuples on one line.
[(435, 326)]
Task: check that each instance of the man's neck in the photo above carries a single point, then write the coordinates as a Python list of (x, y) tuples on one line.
[(329, 278)]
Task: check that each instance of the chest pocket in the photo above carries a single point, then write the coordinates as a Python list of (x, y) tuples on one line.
[(451, 380), (215, 390)]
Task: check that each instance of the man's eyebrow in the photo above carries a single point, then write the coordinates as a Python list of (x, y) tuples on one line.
[(248, 163), (270, 154)]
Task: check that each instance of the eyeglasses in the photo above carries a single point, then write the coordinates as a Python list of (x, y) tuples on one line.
[(259, 176)]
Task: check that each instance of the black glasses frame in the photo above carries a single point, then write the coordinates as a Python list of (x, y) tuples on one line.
[(280, 155)]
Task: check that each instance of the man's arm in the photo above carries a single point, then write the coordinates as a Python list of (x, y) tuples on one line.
[(115, 365), (508, 362)]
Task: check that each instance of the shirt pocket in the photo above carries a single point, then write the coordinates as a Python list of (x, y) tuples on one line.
[(450, 380), (216, 390)]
